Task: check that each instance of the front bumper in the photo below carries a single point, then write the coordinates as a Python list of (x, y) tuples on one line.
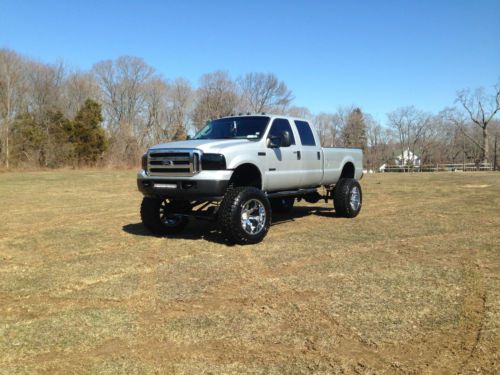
[(207, 185)]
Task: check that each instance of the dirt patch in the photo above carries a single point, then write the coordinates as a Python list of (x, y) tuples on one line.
[(476, 186)]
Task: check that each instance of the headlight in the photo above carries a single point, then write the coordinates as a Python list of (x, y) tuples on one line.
[(144, 161), (212, 162)]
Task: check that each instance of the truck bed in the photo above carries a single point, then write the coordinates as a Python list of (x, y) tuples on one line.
[(334, 158)]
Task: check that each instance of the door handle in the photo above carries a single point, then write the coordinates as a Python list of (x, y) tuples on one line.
[(298, 154)]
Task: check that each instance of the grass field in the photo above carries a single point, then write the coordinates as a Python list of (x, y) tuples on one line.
[(409, 286)]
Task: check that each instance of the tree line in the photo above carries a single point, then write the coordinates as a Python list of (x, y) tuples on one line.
[(53, 116)]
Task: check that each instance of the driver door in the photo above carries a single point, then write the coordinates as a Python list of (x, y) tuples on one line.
[(283, 163)]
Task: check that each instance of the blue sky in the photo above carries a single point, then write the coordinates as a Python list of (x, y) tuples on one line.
[(379, 55)]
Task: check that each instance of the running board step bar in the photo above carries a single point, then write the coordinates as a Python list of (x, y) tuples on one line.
[(291, 193)]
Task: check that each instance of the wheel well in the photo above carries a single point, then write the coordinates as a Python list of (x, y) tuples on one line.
[(246, 175), (348, 170)]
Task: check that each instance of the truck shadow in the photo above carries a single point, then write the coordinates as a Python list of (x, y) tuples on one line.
[(195, 230), (300, 212), (208, 230)]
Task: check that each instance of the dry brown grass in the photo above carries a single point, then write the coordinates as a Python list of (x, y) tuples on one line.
[(411, 285)]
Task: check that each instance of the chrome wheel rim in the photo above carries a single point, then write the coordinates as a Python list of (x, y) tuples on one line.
[(253, 216), (355, 199)]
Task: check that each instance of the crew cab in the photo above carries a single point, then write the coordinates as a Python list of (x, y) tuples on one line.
[(237, 170)]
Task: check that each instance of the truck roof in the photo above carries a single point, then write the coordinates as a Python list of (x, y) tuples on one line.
[(271, 115)]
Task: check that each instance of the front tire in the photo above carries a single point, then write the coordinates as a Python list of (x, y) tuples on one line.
[(244, 215), (347, 197), (161, 216)]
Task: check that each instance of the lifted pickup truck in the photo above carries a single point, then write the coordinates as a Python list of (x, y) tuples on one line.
[(238, 169)]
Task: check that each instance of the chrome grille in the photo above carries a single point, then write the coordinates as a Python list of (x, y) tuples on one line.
[(170, 162)]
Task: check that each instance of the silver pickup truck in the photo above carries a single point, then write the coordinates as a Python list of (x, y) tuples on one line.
[(237, 170)]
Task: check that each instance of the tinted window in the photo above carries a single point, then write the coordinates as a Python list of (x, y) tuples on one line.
[(305, 133), (246, 127), (279, 126)]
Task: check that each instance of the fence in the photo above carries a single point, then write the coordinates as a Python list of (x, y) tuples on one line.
[(440, 167)]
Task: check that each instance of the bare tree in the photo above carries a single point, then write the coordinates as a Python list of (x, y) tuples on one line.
[(156, 125), (339, 121), (295, 111), (12, 90), (180, 95), (45, 83), (411, 126), (76, 89), (168, 109), (326, 126), (123, 85), (481, 109), (263, 92), (379, 143), (466, 138), (216, 97)]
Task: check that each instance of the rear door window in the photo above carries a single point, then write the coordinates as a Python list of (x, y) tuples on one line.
[(305, 133)]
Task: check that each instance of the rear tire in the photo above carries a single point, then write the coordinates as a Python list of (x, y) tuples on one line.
[(282, 205), (347, 197), (160, 217), (244, 215)]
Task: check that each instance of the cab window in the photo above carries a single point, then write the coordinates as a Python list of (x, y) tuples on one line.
[(279, 126), (305, 133)]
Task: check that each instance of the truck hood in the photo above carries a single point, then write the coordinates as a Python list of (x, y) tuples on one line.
[(205, 145)]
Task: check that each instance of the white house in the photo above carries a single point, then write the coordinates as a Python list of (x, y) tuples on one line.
[(407, 158)]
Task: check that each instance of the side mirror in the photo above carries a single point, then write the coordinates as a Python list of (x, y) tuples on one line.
[(277, 142), (273, 142), (285, 139), (188, 137)]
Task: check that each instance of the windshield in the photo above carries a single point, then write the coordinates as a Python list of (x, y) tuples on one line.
[(247, 127)]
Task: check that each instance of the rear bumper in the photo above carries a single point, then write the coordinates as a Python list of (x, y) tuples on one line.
[(185, 188)]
